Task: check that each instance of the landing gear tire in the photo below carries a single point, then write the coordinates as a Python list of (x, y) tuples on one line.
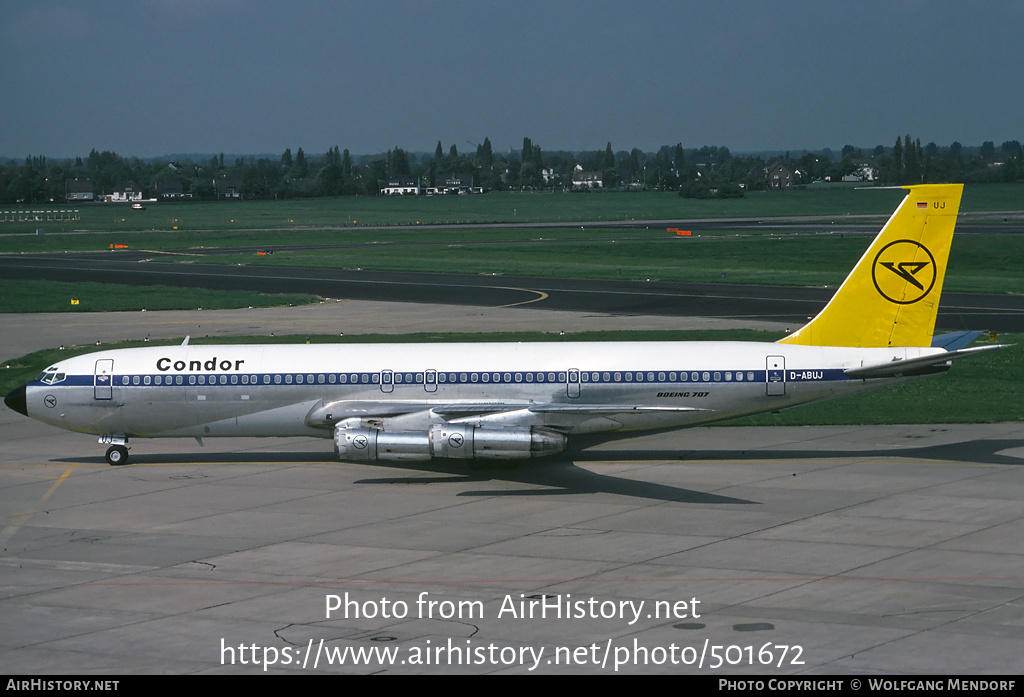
[(117, 455)]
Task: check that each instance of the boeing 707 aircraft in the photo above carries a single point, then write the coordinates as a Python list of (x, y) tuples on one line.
[(521, 400)]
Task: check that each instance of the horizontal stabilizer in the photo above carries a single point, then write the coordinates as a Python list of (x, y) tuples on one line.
[(954, 341), (915, 366)]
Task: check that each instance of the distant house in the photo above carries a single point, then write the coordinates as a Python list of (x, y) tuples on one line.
[(169, 190), (582, 179), (79, 190), (228, 188), (863, 173), (455, 184), (125, 192), (778, 176), (401, 186)]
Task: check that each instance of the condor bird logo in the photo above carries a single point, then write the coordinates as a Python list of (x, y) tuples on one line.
[(904, 272)]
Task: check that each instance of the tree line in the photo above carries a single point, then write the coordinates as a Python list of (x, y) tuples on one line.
[(708, 170)]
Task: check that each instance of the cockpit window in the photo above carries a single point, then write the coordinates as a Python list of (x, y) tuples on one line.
[(48, 377)]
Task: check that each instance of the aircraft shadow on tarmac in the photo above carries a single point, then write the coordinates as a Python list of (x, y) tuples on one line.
[(557, 476), (560, 476), (983, 451)]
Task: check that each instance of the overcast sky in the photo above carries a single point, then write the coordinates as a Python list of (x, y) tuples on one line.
[(153, 77)]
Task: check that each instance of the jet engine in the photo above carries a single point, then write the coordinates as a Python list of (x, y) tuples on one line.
[(457, 441)]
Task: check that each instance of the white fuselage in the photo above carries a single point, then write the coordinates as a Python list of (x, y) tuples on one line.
[(289, 390)]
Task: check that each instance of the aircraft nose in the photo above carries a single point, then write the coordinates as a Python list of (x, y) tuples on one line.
[(15, 400)]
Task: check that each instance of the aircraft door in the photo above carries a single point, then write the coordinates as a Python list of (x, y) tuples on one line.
[(103, 379), (430, 380), (775, 376), (572, 383), (387, 381)]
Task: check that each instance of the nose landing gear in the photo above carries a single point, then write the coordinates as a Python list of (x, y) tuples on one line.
[(117, 453)]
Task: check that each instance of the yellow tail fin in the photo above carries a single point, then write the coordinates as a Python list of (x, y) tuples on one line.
[(891, 298)]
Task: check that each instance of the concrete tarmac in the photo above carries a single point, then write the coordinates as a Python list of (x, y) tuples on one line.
[(717, 551)]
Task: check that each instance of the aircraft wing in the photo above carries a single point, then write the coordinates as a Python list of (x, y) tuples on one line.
[(325, 415), (605, 409), (915, 366)]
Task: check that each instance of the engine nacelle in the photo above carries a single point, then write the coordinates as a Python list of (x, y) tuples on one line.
[(457, 441), (368, 444), (464, 441)]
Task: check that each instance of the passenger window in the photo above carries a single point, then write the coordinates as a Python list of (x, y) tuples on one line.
[(706, 377), (606, 377), (728, 377), (298, 379), (135, 379), (618, 377), (332, 378), (508, 377), (191, 379), (288, 379), (277, 379), (519, 377), (159, 380), (529, 377), (124, 380), (223, 379), (718, 377), (145, 380), (750, 376), (473, 377), (234, 380), (266, 379)]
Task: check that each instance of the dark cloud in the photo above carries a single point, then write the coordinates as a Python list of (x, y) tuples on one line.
[(164, 76)]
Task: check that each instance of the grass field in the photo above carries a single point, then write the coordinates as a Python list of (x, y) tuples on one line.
[(987, 388), (494, 207), (55, 296), (979, 263)]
